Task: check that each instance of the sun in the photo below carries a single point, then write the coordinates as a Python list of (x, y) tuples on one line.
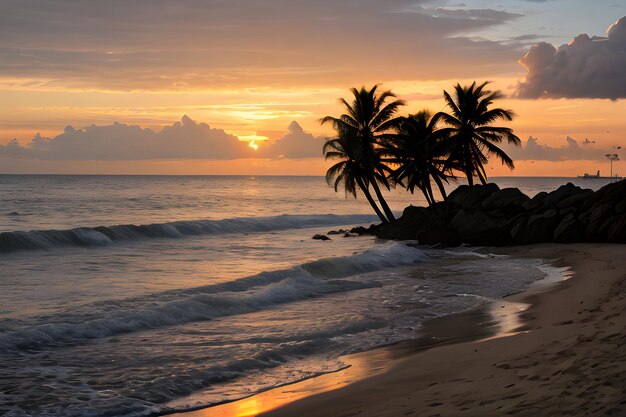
[(253, 140)]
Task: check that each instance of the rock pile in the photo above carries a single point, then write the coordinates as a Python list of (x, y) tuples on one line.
[(487, 215)]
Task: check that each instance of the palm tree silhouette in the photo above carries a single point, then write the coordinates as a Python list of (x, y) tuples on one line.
[(348, 172), (419, 153), (470, 133), (369, 121)]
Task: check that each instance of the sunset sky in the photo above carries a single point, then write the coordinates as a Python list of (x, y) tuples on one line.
[(182, 87)]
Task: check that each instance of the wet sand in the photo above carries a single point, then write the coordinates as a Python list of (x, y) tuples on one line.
[(566, 357)]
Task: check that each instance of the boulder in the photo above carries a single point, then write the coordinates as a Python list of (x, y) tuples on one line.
[(563, 192), (536, 202), (575, 200), (596, 221), (494, 236), (507, 199), (613, 193), (569, 230), (406, 227), (617, 230), (538, 228), (443, 211), (474, 222), (444, 235), (467, 197), (320, 237), (337, 232), (360, 230)]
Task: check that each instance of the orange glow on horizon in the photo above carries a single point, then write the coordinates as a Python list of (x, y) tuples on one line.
[(273, 109)]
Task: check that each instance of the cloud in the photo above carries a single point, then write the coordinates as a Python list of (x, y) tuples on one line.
[(188, 44), (532, 150), (584, 68), (186, 139), (294, 144)]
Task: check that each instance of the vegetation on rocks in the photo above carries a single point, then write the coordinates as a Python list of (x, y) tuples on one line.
[(375, 148)]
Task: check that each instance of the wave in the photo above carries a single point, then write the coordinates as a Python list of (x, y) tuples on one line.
[(106, 235), (387, 255), (246, 295)]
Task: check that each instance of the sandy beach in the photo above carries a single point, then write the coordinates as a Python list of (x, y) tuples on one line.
[(567, 359)]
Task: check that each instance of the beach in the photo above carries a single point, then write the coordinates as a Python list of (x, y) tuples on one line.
[(119, 304), (567, 359)]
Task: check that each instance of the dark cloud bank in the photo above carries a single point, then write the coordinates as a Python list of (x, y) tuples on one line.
[(587, 67), (186, 139)]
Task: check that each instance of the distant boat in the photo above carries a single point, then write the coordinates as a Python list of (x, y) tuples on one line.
[(597, 176)]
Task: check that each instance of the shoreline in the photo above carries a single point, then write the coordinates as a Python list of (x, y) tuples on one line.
[(569, 360), (499, 319)]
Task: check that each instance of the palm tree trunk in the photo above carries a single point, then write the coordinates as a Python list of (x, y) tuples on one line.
[(482, 178), (382, 201), (368, 195)]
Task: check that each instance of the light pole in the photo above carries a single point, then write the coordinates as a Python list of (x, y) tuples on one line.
[(612, 157)]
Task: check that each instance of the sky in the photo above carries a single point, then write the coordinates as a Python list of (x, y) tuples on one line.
[(239, 86)]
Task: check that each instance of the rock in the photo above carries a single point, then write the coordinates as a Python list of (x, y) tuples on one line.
[(507, 199), (536, 202), (538, 228), (562, 193), (320, 237), (467, 197), (406, 227), (575, 200), (494, 236), (613, 193), (443, 211), (617, 230), (473, 222), (336, 232), (444, 235), (348, 234), (570, 230), (596, 221), (486, 215), (360, 230)]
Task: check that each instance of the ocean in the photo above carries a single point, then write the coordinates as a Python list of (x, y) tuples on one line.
[(142, 295)]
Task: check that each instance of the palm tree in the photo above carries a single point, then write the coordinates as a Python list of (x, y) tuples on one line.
[(418, 152), (368, 121), (348, 171), (470, 133)]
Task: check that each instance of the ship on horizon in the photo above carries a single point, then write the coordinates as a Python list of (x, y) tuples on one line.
[(598, 176)]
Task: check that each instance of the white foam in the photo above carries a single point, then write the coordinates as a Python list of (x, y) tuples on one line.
[(102, 235), (204, 303)]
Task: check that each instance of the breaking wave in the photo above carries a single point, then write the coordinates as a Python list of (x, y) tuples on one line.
[(106, 235), (262, 291)]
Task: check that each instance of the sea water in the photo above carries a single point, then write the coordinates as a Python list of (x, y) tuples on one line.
[(139, 295)]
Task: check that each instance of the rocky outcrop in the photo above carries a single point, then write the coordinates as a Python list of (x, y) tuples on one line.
[(487, 215)]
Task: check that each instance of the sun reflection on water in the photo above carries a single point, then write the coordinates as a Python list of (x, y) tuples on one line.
[(359, 367)]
